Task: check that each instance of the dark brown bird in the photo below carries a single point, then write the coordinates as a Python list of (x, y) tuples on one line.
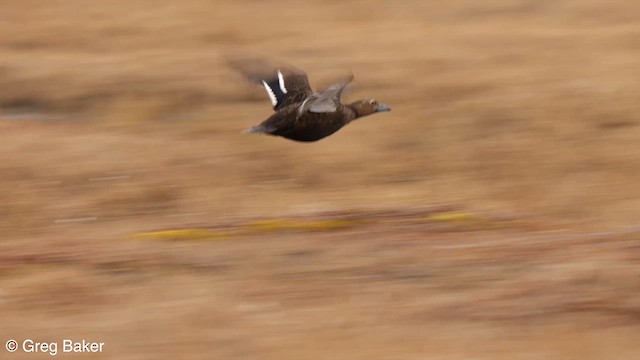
[(301, 114)]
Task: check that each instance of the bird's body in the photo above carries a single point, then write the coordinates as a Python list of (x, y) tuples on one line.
[(301, 114), (287, 123)]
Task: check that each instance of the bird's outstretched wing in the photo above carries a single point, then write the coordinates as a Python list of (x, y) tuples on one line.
[(285, 84), (327, 100)]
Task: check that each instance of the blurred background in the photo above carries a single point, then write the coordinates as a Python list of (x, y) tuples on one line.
[(491, 215)]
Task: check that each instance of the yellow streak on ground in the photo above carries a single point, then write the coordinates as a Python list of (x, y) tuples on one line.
[(270, 225)]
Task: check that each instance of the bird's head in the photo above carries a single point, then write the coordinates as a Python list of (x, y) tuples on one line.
[(368, 106)]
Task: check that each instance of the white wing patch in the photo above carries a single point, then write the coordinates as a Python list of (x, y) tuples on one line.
[(301, 109), (281, 82), (272, 96)]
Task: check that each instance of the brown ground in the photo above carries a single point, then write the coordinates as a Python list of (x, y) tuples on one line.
[(120, 118)]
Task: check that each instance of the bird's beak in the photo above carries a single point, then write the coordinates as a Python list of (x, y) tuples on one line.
[(383, 107)]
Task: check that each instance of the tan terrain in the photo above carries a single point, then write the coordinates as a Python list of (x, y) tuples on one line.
[(492, 214)]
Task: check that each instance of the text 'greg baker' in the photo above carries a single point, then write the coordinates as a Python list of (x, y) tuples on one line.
[(68, 346)]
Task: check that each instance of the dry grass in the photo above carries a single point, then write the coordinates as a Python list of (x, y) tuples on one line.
[(121, 117)]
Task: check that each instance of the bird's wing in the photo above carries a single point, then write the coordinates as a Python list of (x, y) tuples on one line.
[(285, 84), (327, 100)]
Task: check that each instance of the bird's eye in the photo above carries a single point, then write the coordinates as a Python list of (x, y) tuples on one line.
[(372, 101)]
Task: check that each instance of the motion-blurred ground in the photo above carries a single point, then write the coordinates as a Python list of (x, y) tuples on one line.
[(120, 117)]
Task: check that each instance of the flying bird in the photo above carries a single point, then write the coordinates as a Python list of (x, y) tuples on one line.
[(300, 113)]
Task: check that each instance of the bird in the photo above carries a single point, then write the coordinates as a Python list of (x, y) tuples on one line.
[(300, 114)]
